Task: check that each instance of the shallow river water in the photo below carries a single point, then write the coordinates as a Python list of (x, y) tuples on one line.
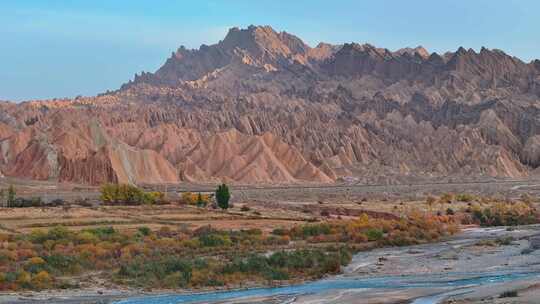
[(340, 284)]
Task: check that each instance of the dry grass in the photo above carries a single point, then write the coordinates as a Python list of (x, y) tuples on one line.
[(127, 218), (262, 214)]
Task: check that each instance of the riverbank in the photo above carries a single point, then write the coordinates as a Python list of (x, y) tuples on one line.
[(467, 268), (518, 292), (472, 266), (84, 296), (476, 262)]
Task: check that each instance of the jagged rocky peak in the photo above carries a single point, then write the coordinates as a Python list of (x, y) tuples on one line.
[(256, 45), (295, 44), (323, 51), (358, 60), (417, 51), (182, 52), (436, 59), (268, 50), (365, 49), (490, 65), (484, 55), (262, 40), (327, 46)]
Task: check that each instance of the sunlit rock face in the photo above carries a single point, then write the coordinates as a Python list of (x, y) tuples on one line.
[(262, 106)]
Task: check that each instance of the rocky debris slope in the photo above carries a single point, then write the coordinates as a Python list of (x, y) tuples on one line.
[(262, 106)]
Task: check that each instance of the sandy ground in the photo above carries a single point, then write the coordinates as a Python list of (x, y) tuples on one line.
[(415, 190), (82, 296), (528, 293), (462, 254)]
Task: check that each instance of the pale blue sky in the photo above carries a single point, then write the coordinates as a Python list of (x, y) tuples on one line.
[(60, 48)]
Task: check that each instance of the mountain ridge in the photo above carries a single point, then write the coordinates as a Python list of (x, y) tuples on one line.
[(262, 106)]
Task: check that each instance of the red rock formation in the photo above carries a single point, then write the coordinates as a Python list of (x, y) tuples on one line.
[(95, 169), (5, 131), (249, 159), (264, 107)]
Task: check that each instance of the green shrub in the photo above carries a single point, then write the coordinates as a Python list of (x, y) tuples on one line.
[(506, 214), (121, 194), (58, 233), (275, 274), (169, 271), (312, 230), (86, 237), (201, 202), (63, 264), (103, 233), (223, 196), (374, 234), (11, 195), (26, 202), (145, 231), (465, 197), (214, 240), (279, 231)]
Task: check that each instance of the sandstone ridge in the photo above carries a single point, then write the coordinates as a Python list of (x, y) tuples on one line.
[(262, 106)]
